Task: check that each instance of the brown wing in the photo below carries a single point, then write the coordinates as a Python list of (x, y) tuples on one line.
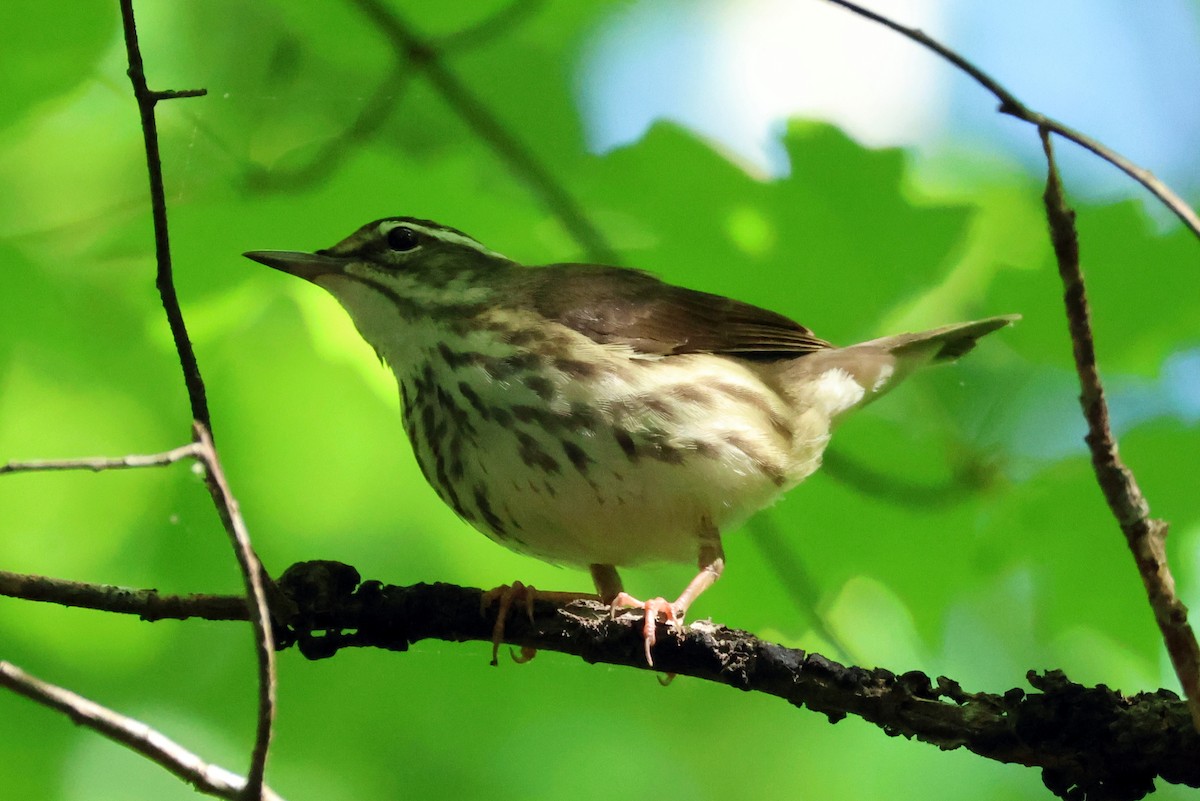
[(630, 307)]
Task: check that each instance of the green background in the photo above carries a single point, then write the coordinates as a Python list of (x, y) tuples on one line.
[(982, 549)]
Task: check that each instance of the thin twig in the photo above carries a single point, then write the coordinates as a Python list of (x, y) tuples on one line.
[(99, 463), (148, 604), (131, 733), (1146, 536), (411, 48), (260, 619), (1009, 104), (147, 99), (101, 597), (252, 571)]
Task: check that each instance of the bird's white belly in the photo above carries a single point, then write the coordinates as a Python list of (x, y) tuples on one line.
[(620, 511), (673, 450)]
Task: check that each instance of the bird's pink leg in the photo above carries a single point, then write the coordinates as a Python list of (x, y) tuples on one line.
[(711, 563)]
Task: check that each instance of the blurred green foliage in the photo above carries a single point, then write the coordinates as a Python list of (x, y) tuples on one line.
[(1004, 560)]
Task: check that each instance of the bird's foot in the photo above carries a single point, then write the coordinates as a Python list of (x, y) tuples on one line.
[(504, 596), (525, 595), (672, 613)]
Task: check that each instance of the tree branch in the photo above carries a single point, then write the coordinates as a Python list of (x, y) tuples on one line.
[(1089, 742), (147, 99), (1011, 105), (98, 463), (222, 497), (253, 606), (131, 733), (1146, 536), (253, 578), (148, 604)]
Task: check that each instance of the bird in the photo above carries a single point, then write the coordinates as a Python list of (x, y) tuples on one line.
[(597, 416)]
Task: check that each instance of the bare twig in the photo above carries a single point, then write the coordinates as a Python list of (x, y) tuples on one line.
[(98, 463), (1009, 104), (131, 733), (1146, 535), (521, 161), (260, 619), (252, 572), (147, 99), (148, 604)]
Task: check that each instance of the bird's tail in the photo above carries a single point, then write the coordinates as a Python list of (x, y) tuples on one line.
[(840, 379), (943, 344)]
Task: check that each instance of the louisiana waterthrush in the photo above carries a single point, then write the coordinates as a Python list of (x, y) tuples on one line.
[(597, 416)]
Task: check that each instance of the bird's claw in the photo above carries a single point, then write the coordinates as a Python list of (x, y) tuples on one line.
[(651, 609), (504, 596)]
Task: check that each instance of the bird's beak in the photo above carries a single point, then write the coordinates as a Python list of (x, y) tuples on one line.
[(308, 266)]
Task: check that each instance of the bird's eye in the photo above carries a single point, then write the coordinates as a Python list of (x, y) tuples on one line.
[(401, 239)]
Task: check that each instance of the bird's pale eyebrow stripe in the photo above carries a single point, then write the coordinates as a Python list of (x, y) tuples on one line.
[(449, 237)]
